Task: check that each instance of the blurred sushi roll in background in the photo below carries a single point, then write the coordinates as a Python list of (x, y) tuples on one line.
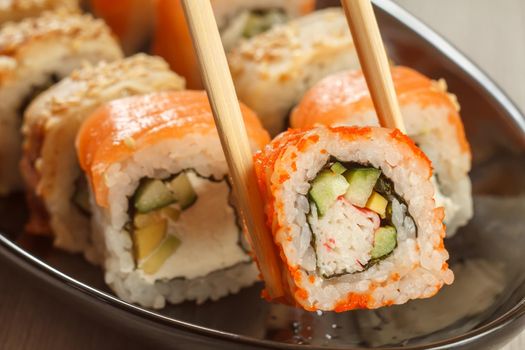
[(273, 70), (162, 198), (34, 54), (352, 213), (56, 188), (432, 121), (237, 20), (15, 10), (132, 21)]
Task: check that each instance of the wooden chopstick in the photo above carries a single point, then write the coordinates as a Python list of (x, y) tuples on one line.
[(234, 139), (374, 62)]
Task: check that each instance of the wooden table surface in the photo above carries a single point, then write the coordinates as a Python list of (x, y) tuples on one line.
[(491, 33)]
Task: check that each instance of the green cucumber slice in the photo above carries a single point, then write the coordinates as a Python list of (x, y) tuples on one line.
[(182, 190), (338, 168), (361, 183), (326, 187), (151, 195), (385, 240)]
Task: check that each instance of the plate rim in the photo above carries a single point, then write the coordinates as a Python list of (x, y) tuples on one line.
[(18, 256)]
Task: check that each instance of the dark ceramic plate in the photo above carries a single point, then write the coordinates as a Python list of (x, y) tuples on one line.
[(484, 308)]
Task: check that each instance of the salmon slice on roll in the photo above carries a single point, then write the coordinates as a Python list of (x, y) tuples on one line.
[(132, 21), (162, 200), (432, 120)]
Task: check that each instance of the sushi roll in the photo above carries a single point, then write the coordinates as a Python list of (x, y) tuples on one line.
[(16, 10), (352, 213), (131, 20), (281, 64), (238, 19), (57, 190), (162, 200), (35, 54), (432, 120)]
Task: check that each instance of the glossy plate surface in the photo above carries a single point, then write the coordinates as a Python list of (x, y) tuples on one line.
[(483, 308)]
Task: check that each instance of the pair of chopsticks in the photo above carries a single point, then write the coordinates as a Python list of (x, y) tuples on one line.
[(230, 124)]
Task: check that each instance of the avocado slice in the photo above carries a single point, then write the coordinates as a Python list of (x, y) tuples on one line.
[(152, 194), (338, 168), (153, 263), (170, 212), (144, 220), (377, 203), (326, 187), (182, 190), (385, 240), (147, 238), (361, 183)]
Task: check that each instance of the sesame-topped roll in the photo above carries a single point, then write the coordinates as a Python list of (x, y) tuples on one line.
[(273, 70), (34, 54), (15, 10), (57, 190), (237, 20), (352, 214)]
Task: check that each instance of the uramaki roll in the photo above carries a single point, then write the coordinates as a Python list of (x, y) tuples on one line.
[(56, 188), (353, 216), (34, 54), (431, 117), (273, 70), (162, 200), (236, 19)]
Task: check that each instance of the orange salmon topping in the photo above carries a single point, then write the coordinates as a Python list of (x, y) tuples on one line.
[(339, 98), (143, 121)]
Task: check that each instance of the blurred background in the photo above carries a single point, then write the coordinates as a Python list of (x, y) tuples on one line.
[(490, 33)]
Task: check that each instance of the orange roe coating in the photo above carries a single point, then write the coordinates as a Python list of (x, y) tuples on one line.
[(267, 168), (353, 301)]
